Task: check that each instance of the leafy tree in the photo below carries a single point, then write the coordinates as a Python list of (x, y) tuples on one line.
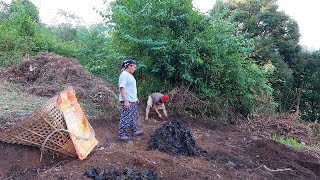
[(66, 32), (21, 34), (95, 54), (4, 10), (276, 38), (17, 28), (11, 44), (27, 7), (69, 29), (308, 85), (176, 44)]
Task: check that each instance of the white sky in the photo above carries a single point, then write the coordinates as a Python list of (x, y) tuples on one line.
[(305, 12)]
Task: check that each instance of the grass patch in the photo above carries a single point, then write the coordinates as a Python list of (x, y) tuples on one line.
[(291, 142), (92, 110), (16, 103)]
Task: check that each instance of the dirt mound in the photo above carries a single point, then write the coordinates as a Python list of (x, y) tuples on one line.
[(291, 164), (286, 125), (173, 138), (127, 173), (48, 73)]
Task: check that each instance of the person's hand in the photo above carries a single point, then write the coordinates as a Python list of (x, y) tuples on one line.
[(126, 104), (138, 101), (159, 115)]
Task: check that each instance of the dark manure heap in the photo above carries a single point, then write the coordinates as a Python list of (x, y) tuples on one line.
[(175, 139)]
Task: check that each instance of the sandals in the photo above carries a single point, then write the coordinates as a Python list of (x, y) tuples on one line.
[(137, 133), (127, 138), (124, 138)]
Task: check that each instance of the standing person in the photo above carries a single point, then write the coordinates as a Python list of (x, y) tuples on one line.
[(128, 99), (157, 100)]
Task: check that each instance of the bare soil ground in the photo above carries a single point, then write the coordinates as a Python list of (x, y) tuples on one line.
[(233, 151)]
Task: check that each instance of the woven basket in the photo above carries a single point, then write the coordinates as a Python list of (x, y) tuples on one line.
[(45, 122)]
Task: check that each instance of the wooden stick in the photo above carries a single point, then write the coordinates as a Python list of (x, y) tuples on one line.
[(276, 170)]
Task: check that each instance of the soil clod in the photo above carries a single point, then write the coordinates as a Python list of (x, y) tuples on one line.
[(127, 173)]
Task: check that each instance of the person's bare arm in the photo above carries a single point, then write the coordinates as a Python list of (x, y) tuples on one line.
[(156, 109), (123, 94), (165, 111), (147, 112)]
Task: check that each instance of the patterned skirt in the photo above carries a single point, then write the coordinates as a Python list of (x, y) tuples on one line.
[(128, 118)]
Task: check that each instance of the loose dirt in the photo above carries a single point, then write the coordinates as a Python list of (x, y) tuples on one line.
[(231, 154)]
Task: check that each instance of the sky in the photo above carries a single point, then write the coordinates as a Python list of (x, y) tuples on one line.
[(305, 12)]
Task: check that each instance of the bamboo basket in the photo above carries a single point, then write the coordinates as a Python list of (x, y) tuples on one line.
[(46, 122)]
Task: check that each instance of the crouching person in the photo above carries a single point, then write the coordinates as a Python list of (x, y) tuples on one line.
[(157, 100)]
